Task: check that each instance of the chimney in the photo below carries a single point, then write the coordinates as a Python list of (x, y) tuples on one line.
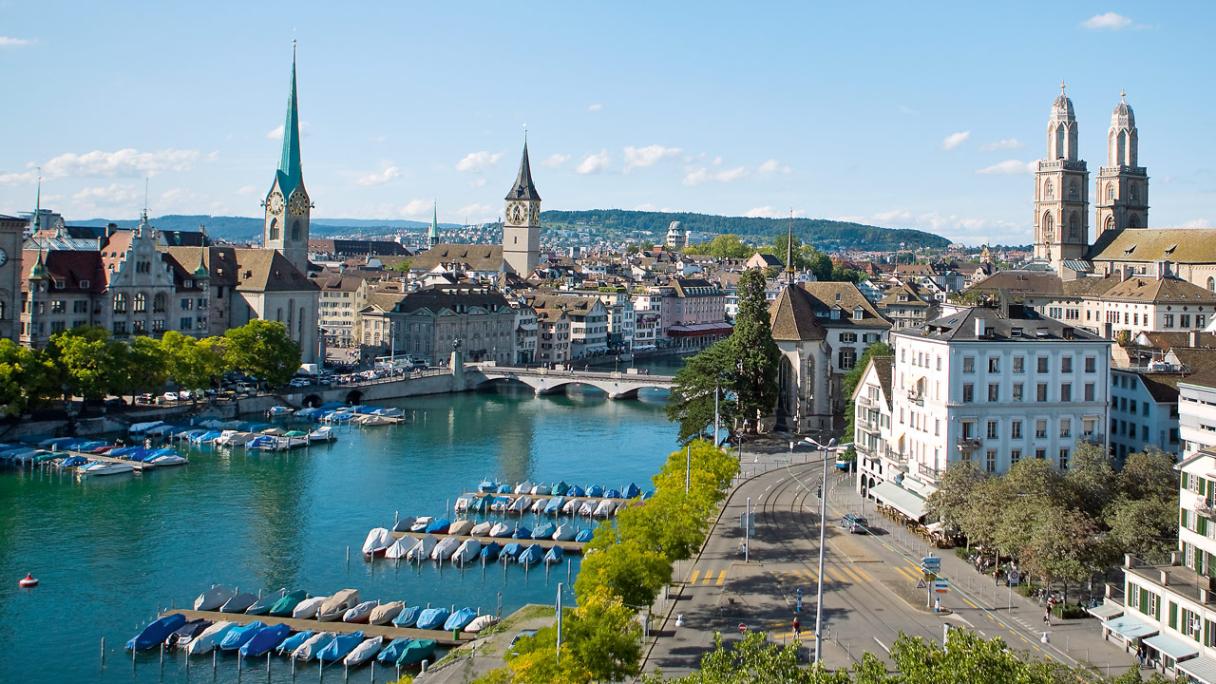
[(1193, 339), (1175, 558), (980, 328), (1127, 273), (1164, 577), (1129, 561)]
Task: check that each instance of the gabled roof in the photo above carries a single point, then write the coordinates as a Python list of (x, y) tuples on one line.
[(74, 268), (803, 311), (1179, 245), (882, 366), (1020, 282), (447, 297), (524, 189), (245, 269), (475, 257), (1160, 290)]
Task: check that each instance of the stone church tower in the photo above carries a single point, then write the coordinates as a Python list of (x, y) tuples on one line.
[(1122, 200), (1061, 193), (521, 223), (287, 205)]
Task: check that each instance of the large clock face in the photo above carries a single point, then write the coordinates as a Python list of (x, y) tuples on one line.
[(299, 204), (275, 202), (516, 213)]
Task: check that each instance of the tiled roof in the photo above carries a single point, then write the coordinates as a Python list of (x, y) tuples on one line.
[(1017, 323), (1160, 290), (1034, 283), (1179, 245), (442, 297), (476, 257), (80, 271), (803, 311)]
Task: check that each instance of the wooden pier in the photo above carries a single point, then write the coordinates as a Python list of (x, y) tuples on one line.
[(568, 546), (387, 631), (534, 497), (139, 466)]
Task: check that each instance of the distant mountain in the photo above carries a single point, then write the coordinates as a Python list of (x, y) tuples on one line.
[(243, 228), (822, 233)]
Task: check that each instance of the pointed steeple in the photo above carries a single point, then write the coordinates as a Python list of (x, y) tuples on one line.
[(290, 173), (36, 219), (789, 251), (523, 188), (432, 234)]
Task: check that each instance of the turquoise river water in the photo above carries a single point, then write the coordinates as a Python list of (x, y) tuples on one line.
[(110, 552)]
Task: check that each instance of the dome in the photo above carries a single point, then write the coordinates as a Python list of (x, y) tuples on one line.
[(1061, 108), (1123, 116)]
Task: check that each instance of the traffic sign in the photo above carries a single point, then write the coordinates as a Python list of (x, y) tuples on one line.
[(742, 628), (1014, 577), (941, 585), (931, 563), (920, 584)]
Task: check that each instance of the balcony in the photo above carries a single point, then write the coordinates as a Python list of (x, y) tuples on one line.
[(1205, 506), (916, 397), (864, 401), (968, 444)]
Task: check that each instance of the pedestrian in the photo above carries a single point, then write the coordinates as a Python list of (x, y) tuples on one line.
[(797, 626), (1047, 616)]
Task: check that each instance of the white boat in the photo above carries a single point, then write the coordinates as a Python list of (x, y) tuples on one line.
[(279, 411), (403, 524), (398, 549), (500, 504), (421, 550), (169, 460), (565, 532), (207, 640), (460, 527), (389, 412), (500, 530), (524, 487), (462, 504), (587, 508), (98, 469), (538, 506), (481, 529), (363, 652), (444, 549), (233, 438), (467, 552), (142, 428), (360, 613), (307, 609), (479, 623), (323, 433), (377, 542), (420, 524), (385, 613), (605, 508), (373, 419), (571, 506), (308, 650), (337, 605), (520, 505), (214, 597)]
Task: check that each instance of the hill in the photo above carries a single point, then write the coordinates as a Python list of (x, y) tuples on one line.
[(243, 228), (823, 233)]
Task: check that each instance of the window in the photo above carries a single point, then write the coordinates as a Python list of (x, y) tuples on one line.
[(1015, 429), (58, 306), (994, 429), (990, 461), (994, 364), (994, 393), (1169, 319), (120, 302), (1040, 392), (58, 326), (1066, 364), (1065, 392), (1040, 428), (158, 325), (1184, 320), (968, 429), (1040, 454), (847, 358), (1017, 391), (1200, 320), (141, 302), (968, 364), (187, 324), (273, 233), (1019, 364), (1063, 459), (968, 393), (1015, 456), (1066, 427), (80, 306), (120, 327), (1089, 392), (848, 337), (858, 313), (1043, 365)]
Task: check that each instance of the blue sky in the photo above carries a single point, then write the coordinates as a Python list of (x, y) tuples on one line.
[(898, 114)]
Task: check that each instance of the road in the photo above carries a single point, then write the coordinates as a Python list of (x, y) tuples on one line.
[(870, 582)]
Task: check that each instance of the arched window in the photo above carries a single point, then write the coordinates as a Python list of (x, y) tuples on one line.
[(295, 230), (141, 302), (1121, 148), (1048, 227), (1110, 223), (1110, 191), (159, 302), (1074, 227), (273, 234), (120, 302), (1060, 141), (1211, 284), (1049, 189)]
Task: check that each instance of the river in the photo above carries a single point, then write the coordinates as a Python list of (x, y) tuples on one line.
[(110, 552)]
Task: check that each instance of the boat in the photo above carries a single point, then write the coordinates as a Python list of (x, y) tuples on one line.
[(207, 437), (384, 613), (336, 606), (291, 643), (408, 616), (156, 632), (460, 527), (287, 603), (186, 633), (420, 523), (510, 551), (308, 608), (553, 555), (481, 529), (398, 549), (417, 651), (632, 491), (263, 605), (308, 650), (373, 419), (364, 652), (433, 618), (467, 552), (239, 603), (555, 505), (240, 635), (480, 504), (360, 613), (538, 506), (141, 428), (587, 508), (264, 443), (487, 486), (377, 542), (390, 653), (389, 412), (605, 508), (571, 506), (530, 556), (444, 549), (576, 490), (308, 412), (213, 598), (459, 620), (98, 469), (560, 488), (209, 638), (72, 462), (583, 536), (265, 641), (421, 550), (165, 460), (544, 531), (462, 504), (338, 649), (541, 490), (500, 530), (503, 489), (479, 623), (403, 524), (521, 532), (564, 532), (595, 491), (489, 552), (612, 494), (276, 411), (439, 526), (524, 487)]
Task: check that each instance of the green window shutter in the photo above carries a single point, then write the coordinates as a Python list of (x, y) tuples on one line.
[(1157, 609), (1201, 525), (1173, 615), (1144, 602), (1185, 477)]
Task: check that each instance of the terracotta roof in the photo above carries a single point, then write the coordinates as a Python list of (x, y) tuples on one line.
[(1171, 290), (246, 269), (892, 296), (1091, 286), (476, 257), (436, 299), (1179, 245), (1035, 283), (1180, 340), (882, 367)]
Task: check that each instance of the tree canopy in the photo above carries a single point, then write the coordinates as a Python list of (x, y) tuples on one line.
[(263, 349)]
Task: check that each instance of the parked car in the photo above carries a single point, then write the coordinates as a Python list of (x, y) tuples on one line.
[(855, 524), (145, 399), (169, 396)]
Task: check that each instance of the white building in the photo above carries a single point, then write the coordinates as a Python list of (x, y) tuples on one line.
[(1144, 409), (1197, 414)]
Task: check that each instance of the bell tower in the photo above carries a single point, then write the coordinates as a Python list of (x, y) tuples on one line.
[(521, 222), (1061, 191), (287, 205), (1122, 184)]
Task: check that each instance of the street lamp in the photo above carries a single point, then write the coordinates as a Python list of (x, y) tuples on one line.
[(823, 511)]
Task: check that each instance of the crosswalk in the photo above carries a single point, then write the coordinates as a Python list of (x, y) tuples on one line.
[(707, 577), (833, 573), (837, 574)]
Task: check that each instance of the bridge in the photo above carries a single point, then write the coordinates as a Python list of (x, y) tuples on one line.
[(615, 384)]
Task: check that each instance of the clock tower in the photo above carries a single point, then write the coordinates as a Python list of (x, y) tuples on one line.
[(521, 222), (1122, 183), (1061, 191), (287, 205)]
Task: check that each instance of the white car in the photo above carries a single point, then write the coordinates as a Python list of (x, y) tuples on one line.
[(169, 396)]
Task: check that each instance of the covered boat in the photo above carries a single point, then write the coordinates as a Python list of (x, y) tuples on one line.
[(524, 487), (263, 605), (209, 638), (439, 526), (182, 637), (576, 490), (479, 623), (408, 617), (510, 551), (520, 505), (481, 529), (433, 618), (156, 632), (265, 641), (291, 643), (360, 613), (571, 506), (521, 532), (420, 523), (240, 635), (461, 527), (632, 491), (214, 597), (555, 505), (403, 524), (308, 650), (564, 532), (399, 548), (500, 530), (487, 486), (336, 606), (364, 652), (583, 536), (390, 653), (560, 488), (541, 490), (544, 531), (538, 505), (239, 603), (587, 508), (377, 542), (417, 651), (308, 608), (595, 491), (385, 613), (287, 603), (553, 555), (459, 619), (489, 551), (612, 494), (445, 548), (421, 550), (322, 434), (530, 556), (605, 508), (339, 647), (97, 469), (466, 552)]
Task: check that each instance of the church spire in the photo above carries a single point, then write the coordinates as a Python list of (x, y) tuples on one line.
[(290, 173), (523, 188), (36, 219), (789, 250), (432, 234)]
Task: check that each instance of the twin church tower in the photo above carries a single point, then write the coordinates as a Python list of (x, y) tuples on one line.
[(288, 207), (1061, 190)]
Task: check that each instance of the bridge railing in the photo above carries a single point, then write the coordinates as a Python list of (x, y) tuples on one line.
[(540, 371)]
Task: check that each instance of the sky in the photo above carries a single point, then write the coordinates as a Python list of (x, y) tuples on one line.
[(921, 115)]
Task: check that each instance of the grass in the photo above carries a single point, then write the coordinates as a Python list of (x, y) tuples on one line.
[(529, 612)]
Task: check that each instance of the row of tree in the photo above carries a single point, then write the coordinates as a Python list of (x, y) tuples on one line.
[(806, 258), (1066, 526), (626, 564), (86, 362)]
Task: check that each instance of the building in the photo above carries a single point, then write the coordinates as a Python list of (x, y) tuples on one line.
[(821, 329), (1122, 199), (521, 222), (477, 262), (1144, 409), (11, 276), (872, 407), (553, 336), (341, 299), (338, 248), (427, 324), (1197, 414), (1061, 195), (587, 319), (693, 313), (526, 334), (763, 261), (288, 207), (675, 236), (903, 305)]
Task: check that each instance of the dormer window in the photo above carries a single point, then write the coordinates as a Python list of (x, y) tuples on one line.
[(188, 283), (836, 313), (84, 284), (60, 284), (858, 313)]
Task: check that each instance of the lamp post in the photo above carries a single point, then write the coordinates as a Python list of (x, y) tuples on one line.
[(823, 509)]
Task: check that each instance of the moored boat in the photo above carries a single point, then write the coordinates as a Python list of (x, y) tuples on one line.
[(340, 647), (459, 619), (489, 552), (421, 550), (479, 623), (385, 613), (481, 529), (364, 652), (445, 548), (583, 536), (530, 556), (510, 551), (420, 523), (240, 635), (553, 555), (390, 653), (377, 542), (213, 598), (416, 651), (500, 530), (398, 548), (239, 603), (460, 527), (360, 613), (433, 618), (209, 638), (439, 526), (408, 617), (263, 605), (336, 606), (564, 532), (155, 632), (182, 637), (544, 531), (287, 603), (265, 640), (466, 552), (604, 509), (308, 650), (632, 491), (291, 643), (555, 505), (99, 469), (307, 609)]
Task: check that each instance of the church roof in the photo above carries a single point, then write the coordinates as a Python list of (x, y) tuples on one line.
[(802, 312), (479, 258), (1061, 108), (1178, 245), (290, 175), (1123, 116), (1160, 290), (524, 189)]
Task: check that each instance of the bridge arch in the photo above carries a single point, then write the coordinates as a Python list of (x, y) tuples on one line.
[(354, 396), (313, 400)]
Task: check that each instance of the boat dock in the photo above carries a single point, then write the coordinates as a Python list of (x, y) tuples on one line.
[(569, 546), (534, 497), (139, 466), (387, 631)]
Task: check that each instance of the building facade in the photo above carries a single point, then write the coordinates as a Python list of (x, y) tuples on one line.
[(1061, 195), (521, 222), (11, 236), (1122, 200)]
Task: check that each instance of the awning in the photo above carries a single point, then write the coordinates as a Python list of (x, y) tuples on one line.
[(1174, 648), (1202, 668), (1106, 611), (900, 499), (1129, 627)]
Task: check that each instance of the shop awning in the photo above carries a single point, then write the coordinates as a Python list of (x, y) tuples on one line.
[(1172, 647), (1202, 668), (1106, 611), (1129, 627), (900, 499)]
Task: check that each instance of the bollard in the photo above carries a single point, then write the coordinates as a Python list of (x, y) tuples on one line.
[(103, 653), (424, 664)]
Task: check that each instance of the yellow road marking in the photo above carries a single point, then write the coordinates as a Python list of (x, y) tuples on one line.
[(708, 578), (849, 573), (693, 578), (968, 602), (721, 578), (865, 577)]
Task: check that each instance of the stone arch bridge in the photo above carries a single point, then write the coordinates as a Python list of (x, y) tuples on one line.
[(615, 384)]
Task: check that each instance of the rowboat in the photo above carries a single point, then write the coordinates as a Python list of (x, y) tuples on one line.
[(364, 652), (213, 598), (155, 632), (385, 613)]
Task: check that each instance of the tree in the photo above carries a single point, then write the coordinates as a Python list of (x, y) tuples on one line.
[(83, 360), (601, 641), (754, 349), (191, 363), (692, 395), (624, 569), (24, 378), (841, 274), (781, 245), (1149, 474), (754, 659), (851, 380), (1145, 528), (140, 366), (1063, 546), (1091, 477), (725, 246), (951, 500), (263, 349)]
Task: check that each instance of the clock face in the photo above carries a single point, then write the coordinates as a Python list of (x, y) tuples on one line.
[(516, 213), (299, 204), (275, 202), (3, 257)]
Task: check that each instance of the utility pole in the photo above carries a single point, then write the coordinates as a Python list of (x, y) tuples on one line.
[(717, 385), (823, 511), (559, 622), (687, 467)]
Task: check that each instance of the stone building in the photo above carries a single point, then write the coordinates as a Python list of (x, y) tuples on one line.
[(426, 324), (11, 271)]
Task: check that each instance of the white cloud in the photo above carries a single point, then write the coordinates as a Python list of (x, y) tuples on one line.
[(962, 228), (108, 195), (246, 190), (769, 212), (1197, 223), (593, 163), (18, 177), (774, 166), (479, 182), (596, 107), (1002, 144), (374, 178), (1108, 21), (417, 208), (1008, 167), (9, 41), (700, 175), (478, 161), (127, 162), (955, 139), (474, 213), (639, 157), (555, 160)]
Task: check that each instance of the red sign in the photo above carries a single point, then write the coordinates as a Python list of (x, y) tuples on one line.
[(742, 628)]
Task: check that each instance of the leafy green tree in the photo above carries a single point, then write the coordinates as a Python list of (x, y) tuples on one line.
[(754, 659), (1091, 477), (601, 641), (779, 247), (626, 569), (821, 265), (840, 274), (24, 378), (263, 349), (756, 352), (1146, 528), (692, 396), (851, 380), (725, 246), (140, 366), (192, 363), (1149, 474), (951, 501), (83, 361), (1063, 546)]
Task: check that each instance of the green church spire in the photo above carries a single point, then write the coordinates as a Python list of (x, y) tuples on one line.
[(433, 233), (290, 173)]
